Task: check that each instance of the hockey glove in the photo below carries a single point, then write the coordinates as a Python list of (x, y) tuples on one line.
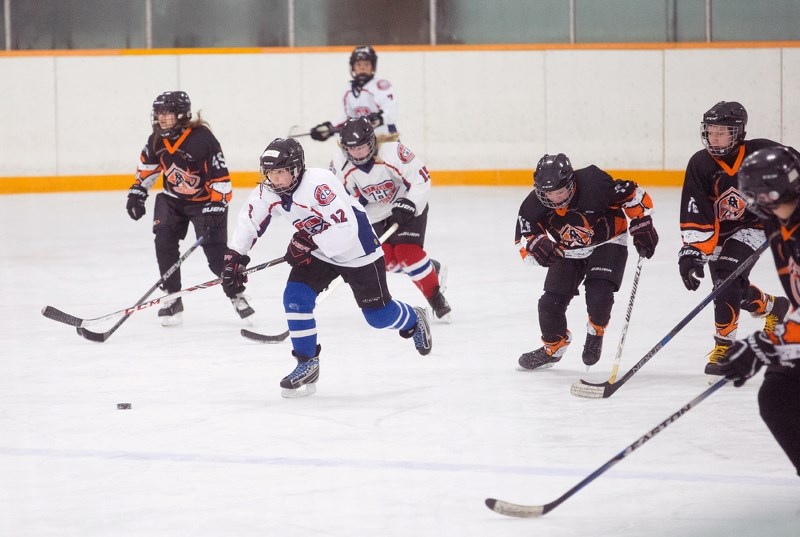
[(745, 357), (544, 251), (300, 248), (690, 265), (136, 198), (215, 216), (403, 211), (645, 238), (376, 119), (232, 272), (323, 131)]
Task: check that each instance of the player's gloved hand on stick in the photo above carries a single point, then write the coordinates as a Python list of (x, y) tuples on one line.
[(403, 211), (645, 238), (323, 131), (215, 216), (233, 275), (300, 248), (376, 119), (690, 264), (136, 198), (745, 357), (544, 250)]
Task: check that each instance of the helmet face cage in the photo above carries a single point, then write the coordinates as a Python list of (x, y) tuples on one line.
[(177, 102), (367, 53), (553, 173), (283, 153), (730, 115), (769, 178), (357, 132)]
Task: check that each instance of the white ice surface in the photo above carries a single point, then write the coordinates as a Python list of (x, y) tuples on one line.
[(392, 444)]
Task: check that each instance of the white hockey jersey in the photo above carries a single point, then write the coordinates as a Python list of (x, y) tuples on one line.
[(375, 96), (339, 226), (395, 173)]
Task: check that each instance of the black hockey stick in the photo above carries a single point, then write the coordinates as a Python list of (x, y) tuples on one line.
[(606, 389), (277, 338), (100, 337), (57, 315), (534, 511)]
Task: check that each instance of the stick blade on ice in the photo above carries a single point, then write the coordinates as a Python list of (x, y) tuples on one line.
[(515, 510)]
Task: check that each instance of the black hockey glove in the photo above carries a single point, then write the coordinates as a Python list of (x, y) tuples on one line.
[(323, 131), (376, 119), (645, 238), (232, 273), (300, 248), (745, 357), (690, 265), (403, 211), (215, 216), (136, 198), (544, 251)]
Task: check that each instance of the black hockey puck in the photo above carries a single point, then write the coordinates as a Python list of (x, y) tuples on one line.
[(123, 406)]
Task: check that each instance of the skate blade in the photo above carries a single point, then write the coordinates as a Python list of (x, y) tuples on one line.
[(174, 320), (540, 368), (303, 391), (444, 319), (713, 379)]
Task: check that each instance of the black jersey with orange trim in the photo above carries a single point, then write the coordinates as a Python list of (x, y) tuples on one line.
[(193, 166), (712, 208), (595, 214), (784, 241)]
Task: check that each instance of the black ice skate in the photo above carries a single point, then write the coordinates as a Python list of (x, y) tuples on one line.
[(593, 347), (441, 309), (547, 355), (712, 369), (305, 374), (170, 312), (421, 332), (777, 314), (760, 304), (441, 274), (241, 306)]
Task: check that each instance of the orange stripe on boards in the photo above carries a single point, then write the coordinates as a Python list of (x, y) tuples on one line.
[(88, 183)]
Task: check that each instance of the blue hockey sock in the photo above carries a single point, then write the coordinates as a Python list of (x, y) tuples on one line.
[(298, 302)]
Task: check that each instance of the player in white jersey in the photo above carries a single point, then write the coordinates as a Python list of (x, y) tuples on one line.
[(364, 96), (333, 238), (393, 185)]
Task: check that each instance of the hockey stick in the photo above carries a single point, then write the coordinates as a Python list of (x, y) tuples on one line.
[(534, 511), (100, 337), (294, 134), (590, 390), (618, 357), (266, 338), (57, 315)]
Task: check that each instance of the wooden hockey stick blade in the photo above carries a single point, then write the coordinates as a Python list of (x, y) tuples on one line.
[(263, 338)]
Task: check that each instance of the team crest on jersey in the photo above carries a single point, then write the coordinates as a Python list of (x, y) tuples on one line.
[(324, 195), (794, 278), (313, 224), (575, 236), (730, 205), (383, 192), (182, 181), (384, 84), (404, 154)]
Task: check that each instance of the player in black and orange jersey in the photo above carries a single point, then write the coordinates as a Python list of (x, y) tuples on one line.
[(715, 226), (197, 189), (770, 181), (576, 223)]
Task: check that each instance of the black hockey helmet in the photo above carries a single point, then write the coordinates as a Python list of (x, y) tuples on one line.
[(363, 52), (768, 178), (553, 172), (725, 114), (283, 153), (177, 102), (358, 131)]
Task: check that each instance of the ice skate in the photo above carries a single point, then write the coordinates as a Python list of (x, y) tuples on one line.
[(712, 369), (441, 309), (242, 307), (545, 356), (760, 304), (441, 274), (593, 347), (302, 382), (777, 313), (420, 332), (170, 312)]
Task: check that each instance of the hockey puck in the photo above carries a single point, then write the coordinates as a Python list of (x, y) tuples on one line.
[(123, 406)]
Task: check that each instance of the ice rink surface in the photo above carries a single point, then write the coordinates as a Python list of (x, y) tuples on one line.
[(392, 444)]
